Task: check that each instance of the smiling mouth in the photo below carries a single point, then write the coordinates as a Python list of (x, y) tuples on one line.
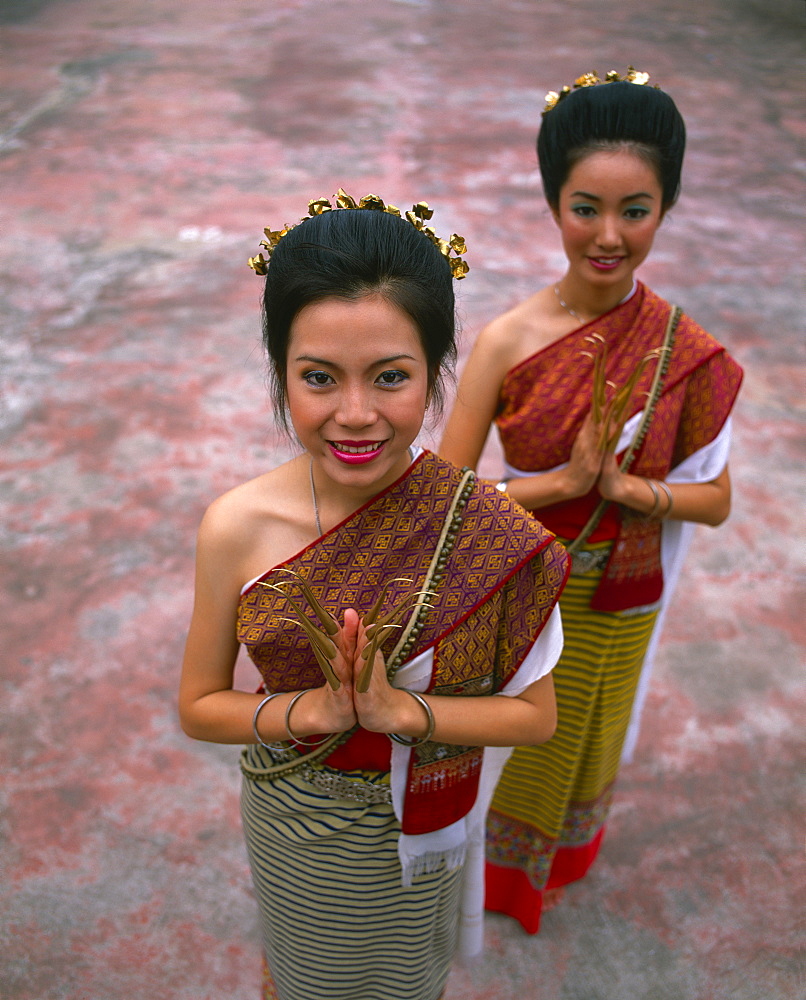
[(359, 448), (356, 452)]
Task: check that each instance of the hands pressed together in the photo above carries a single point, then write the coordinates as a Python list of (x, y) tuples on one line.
[(356, 688), (593, 460), (364, 695), (593, 454)]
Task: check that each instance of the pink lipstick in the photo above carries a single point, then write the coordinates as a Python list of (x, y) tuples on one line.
[(605, 263), (356, 452)]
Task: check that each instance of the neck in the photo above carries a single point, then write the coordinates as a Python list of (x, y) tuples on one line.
[(587, 303), (334, 501)]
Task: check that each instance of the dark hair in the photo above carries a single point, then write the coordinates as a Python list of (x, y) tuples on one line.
[(612, 116), (350, 253)]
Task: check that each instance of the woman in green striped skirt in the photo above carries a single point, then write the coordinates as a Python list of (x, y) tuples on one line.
[(613, 410), (402, 615)]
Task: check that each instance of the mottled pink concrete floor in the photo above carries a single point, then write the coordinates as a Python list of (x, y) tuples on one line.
[(143, 147)]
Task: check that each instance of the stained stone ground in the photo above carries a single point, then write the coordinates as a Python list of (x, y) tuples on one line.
[(143, 147)]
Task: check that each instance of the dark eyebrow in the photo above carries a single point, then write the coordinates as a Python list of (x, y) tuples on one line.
[(630, 197), (375, 364)]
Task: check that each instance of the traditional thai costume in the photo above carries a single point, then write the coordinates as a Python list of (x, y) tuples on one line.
[(549, 810), (365, 853)]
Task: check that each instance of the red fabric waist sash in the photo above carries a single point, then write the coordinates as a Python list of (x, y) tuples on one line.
[(363, 751), (567, 519)]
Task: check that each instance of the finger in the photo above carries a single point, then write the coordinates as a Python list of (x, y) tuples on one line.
[(364, 667), (369, 664), (329, 623), (348, 636), (343, 669), (327, 669)]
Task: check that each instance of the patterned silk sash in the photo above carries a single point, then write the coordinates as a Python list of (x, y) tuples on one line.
[(499, 585), (545, 399)]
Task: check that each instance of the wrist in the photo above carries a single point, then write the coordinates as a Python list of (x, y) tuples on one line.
[(662, 499), (571, 485), (417, 738), (307, 716), (639, 494), (405, 716)]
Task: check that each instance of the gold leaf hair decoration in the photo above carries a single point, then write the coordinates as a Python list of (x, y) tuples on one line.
[(451, 249), (632, 75)]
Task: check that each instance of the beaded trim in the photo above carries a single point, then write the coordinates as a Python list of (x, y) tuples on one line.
[(436, 571), (656, 387), (337, 786)]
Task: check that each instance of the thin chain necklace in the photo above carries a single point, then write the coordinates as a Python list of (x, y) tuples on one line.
[(315, 502), (576, 315), (565, 305)]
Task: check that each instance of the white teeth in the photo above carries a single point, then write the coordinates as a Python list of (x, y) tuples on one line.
[(357, 450)]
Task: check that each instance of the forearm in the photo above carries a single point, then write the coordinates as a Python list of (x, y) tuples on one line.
[(703, 503), (557, 486), (494, 720), (227, 716)]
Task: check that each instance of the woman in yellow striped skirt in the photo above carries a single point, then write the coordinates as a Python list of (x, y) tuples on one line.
[(613, 411), (377, 588)]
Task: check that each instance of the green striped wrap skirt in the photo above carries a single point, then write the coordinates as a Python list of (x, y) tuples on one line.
[(556, 796), (336, 922)]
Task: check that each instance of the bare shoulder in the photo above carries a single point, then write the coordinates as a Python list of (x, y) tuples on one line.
[(521, 331), (254, 519), (234, 511)]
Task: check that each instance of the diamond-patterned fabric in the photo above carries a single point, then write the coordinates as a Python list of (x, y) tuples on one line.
[(545, 399), (394, 536)]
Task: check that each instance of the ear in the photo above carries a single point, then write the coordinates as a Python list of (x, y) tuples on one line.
[(555, 213)]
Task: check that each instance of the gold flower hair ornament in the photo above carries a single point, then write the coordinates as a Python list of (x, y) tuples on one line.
[(632, 75), (451, 249), (378, 626)]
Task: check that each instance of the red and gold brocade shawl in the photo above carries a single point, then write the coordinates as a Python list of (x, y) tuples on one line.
[(499, 586), (545, 399)]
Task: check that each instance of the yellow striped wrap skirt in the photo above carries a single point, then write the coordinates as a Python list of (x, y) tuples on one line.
[(336, 922), (557, 795)]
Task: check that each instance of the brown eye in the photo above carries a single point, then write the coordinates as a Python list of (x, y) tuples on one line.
[(392, 378), (318, 378)]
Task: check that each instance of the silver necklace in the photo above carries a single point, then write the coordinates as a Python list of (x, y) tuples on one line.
[(313, 492), (315, 502), (565, 305)]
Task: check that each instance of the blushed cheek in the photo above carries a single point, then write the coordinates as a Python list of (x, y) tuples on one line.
[(409, 418)]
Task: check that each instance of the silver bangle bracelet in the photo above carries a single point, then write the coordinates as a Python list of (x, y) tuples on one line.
[(668, 493), (291, 736), (413, 741), (656, 494), (266, 700)]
